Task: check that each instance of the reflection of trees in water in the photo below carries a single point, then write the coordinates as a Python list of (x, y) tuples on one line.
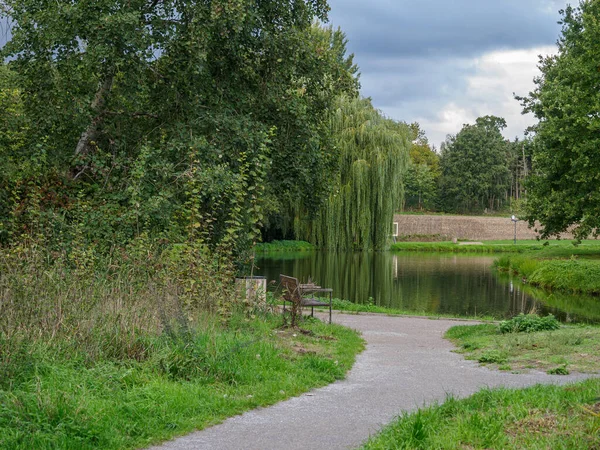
[(567, 307), (454, 284)]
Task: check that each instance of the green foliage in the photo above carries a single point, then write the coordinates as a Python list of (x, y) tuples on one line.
[(558, 267), (475, 174), (104, 351), (422, 176), (373, 156), (176, 119), (492, 357), (561, 370), (529, 323), (284, 246), (563, 189), (421, 187)]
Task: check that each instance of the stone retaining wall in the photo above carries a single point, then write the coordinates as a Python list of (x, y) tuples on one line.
[(465, 227)]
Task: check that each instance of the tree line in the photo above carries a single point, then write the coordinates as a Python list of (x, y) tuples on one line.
[(551, 178), (477, 170), (234, 121), (225, 121)]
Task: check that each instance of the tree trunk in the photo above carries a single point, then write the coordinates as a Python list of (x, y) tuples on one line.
[(90, 133)]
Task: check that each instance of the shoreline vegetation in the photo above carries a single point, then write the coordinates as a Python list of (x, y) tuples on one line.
[(346, 306), (102, 352), (284, 246), (545, 248), (573, 275)]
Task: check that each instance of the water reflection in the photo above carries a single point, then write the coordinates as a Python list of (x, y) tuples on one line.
[(445, 284)]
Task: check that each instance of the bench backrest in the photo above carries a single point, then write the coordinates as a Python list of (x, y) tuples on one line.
[(290, 286)]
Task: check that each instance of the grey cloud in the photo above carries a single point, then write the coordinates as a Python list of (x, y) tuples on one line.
[(415, 56), (444, 28)]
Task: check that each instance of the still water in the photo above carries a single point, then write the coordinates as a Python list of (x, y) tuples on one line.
[(436, 283)]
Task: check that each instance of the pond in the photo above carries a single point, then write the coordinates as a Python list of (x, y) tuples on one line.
[(458, 284)]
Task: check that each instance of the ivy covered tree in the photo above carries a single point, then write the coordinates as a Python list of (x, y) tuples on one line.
[(475, 173), (564, 189)]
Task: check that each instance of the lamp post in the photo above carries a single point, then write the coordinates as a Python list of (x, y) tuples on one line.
[(515, 220)]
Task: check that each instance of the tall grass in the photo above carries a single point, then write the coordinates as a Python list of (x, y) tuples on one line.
[(124, 350), (105, 305), (570, 275)]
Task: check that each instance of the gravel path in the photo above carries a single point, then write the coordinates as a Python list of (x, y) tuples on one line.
[(406, 364)]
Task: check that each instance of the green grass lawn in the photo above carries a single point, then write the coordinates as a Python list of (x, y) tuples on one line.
[(543, 248), (54, 397), (571, 348), (541, 417), (355, 308), (284, 246)]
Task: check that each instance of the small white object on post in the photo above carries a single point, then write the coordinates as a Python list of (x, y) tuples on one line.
[(515, 220)]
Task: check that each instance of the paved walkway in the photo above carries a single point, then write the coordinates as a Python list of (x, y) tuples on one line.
[(406, 364)]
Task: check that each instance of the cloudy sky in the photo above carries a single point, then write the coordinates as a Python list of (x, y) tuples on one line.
[(443, 63)]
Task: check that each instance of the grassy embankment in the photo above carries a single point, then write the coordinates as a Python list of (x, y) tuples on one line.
[(589, 247), (284, 246), (129, 353), (541, 417), (572, 270), (355, 308)]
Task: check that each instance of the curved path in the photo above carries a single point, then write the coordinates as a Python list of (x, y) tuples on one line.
[(406, 364)]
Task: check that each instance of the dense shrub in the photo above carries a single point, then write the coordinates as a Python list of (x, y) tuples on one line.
[(529, 323)]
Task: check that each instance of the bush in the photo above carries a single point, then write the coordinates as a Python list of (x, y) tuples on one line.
[(529, 323)]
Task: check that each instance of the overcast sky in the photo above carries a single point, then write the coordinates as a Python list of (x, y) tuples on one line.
[(443, 63)]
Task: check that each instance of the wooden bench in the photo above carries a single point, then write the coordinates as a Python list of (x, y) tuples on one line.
[(296, 294)]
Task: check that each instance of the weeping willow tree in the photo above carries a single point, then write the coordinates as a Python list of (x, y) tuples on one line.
[(373, 157)]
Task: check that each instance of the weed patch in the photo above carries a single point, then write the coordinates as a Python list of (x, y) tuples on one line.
[(572, 346), (529, 323)]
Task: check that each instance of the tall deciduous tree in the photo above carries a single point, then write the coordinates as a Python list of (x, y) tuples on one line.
[(474, 167), (373, 156), (157, 110), (421, 181), (565, 186)]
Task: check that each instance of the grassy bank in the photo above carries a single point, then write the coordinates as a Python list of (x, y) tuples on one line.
[(549, 270), (449, 247), (57, 398), (571, 348), (581, 308), (541, 417), (355, 308), (125, 351), (284, 246), (590, 247)]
